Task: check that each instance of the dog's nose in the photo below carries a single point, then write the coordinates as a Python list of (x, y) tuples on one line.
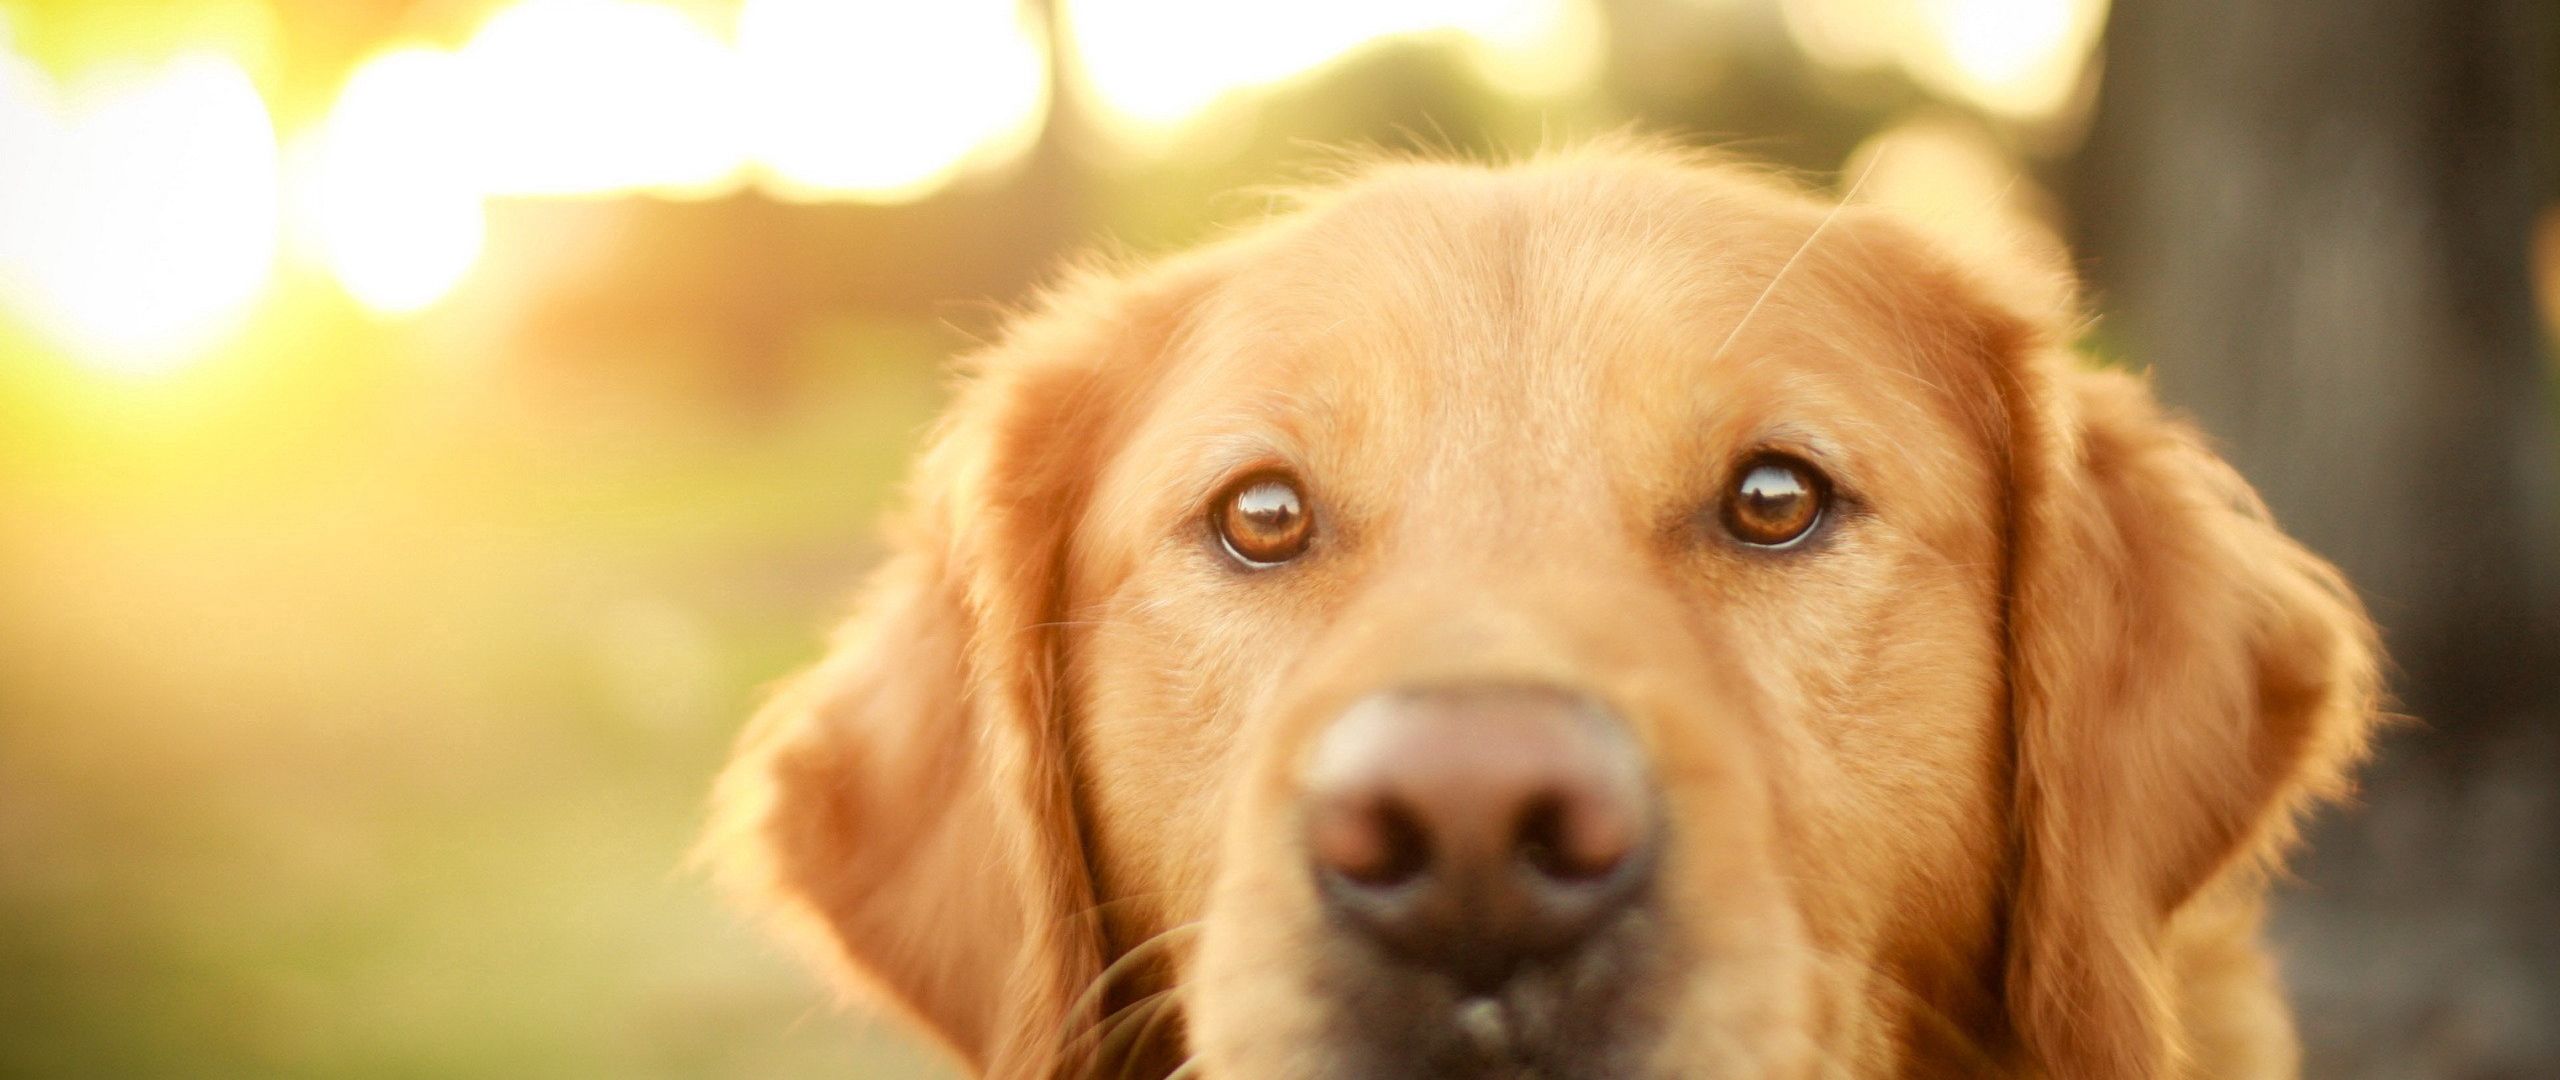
[(1473, 830)]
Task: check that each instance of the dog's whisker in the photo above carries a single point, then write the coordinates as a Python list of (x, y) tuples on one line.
[(1172, 1008), (1168, 937), (1102, 981), (1092, 911), (1098, 1031), (1478, 820), (1118, 1038), (1133, 1030), (1789, 266)]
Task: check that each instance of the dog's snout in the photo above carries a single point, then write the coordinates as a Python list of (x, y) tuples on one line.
[(1471, 830)]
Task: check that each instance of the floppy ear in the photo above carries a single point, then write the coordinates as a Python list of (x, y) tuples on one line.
[(909, 803), (2184, 680)]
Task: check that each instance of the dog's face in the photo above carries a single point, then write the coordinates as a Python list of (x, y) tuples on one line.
[(1608, 618), (1546, 502)]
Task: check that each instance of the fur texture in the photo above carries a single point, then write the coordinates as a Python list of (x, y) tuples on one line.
[(1986, 781)]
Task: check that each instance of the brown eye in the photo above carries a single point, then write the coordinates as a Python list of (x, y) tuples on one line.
[(1263, 521), (1775, 501)]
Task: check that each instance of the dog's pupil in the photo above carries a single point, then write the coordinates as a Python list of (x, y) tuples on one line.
[(1266, 521), (1269, 505), (1776, 503)]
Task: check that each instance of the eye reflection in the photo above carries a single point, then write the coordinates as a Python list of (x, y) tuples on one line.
[(1775, 501), (1263, 521)]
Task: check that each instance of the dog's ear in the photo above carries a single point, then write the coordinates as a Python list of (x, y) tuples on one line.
[(2183, 679), (908, 803)]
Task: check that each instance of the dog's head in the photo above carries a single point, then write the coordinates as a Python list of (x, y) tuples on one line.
[(1607, 617)]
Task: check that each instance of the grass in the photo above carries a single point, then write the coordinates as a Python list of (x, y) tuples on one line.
[(380, 756)]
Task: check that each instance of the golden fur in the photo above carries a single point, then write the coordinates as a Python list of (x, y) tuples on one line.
[(1987, 786)]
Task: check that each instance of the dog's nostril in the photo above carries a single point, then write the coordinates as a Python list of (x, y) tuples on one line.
[(1407, 847), (1573, 839), (1542, 841), (1543, 844), (1375, 842), (1471, 829)]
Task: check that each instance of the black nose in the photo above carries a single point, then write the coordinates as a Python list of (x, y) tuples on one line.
[(1474, 830)]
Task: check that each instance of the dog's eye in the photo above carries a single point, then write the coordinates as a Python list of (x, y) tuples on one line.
[(1775, 501), (1263, 520)]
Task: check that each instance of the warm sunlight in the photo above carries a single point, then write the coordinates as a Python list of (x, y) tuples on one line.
[(27, 103), (392, 200), (875, 100), (584, 97), (144, 207), (807, 99), (882, 100), (1153, 64), (1537, 49), (2022, 59)]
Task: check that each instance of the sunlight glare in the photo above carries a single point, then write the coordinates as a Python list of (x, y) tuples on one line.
[(1538, 49), (885, 100), (2021, 59), (1848, 34), (394, 205), (27, 129), (589, 97), (1152, 65), (146, 210)]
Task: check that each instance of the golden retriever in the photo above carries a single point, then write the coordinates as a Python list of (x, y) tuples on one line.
[(1606, 616)]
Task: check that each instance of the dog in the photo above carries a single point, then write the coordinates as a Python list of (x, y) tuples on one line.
[(1608, 615)]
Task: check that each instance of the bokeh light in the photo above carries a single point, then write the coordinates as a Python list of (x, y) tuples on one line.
[(145, 208), (27, 123), (884, 100), (867, 100), (1154, 64), (589, 97), (2019, 59), (1541, 49), (808, 99), (393, 195), (429, 427)]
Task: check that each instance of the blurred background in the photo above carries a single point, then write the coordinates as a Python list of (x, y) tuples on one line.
[(426, 425)]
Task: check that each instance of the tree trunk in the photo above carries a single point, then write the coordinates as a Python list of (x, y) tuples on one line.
[(2311, 218)]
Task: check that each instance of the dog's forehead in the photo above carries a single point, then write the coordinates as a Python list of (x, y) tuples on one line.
[(1475, 347), (1442, 256), (1440, 304)]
